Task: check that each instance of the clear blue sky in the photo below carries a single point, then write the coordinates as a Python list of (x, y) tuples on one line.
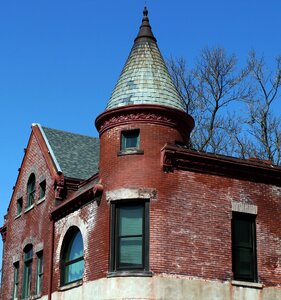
[(59, 60)]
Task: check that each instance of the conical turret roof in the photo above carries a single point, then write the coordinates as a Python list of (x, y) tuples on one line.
[(145, 78)]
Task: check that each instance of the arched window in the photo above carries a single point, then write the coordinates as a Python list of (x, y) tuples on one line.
[(30, 190), (72, 257), (27, 270)]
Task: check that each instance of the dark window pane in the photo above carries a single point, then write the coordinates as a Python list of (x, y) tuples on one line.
[(131, 220), (244, 247), (30, 190), (27, 279), (19, 206), (39, 273), (130, 139), (42, 189), (16, 281), (131, 251), (243, 233)]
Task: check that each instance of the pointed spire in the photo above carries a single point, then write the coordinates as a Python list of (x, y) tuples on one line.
[(145, 28), (145, 78)]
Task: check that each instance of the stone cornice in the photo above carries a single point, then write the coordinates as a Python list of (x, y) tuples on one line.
[(176, 158), (153, 114)]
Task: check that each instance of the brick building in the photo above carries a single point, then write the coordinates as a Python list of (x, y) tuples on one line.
[(135, 214)]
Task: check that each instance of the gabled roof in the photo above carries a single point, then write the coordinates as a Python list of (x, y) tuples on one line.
[(77, 156), (145, 78)]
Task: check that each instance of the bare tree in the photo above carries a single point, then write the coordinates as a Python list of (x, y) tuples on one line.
[(263, 118), (209, 89)]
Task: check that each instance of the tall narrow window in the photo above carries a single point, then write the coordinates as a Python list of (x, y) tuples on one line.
[(244, 261), (16, 281), (30, 190), (72, 259), (129, 233), (19, 206), (27, 271), (42, 189), (39, 272), (130, 140)]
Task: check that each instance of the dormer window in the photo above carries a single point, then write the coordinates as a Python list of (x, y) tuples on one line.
[(130, 140), (30, 190)]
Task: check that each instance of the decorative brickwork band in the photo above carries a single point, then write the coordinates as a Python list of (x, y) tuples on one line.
[(154, 114)]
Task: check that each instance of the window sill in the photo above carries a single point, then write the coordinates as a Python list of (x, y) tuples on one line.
[(129, 152), (17, 216), (41, 200), (36, 297), (254, 285), (29, 208), (129, 274), (70, 285)]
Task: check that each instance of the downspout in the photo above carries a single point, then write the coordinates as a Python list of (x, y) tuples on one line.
[(50, 286)]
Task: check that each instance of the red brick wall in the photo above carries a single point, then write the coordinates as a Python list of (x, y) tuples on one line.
[(93, 223), (191, 226), (33, 225), (190, 219)]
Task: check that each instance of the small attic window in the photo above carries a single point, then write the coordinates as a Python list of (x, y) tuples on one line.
[(42, 189), (130, 140), (19, 206)]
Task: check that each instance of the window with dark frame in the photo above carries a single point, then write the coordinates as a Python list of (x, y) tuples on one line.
[(16, 280), (30, 190), (19, 206), (130, 236), (27, 271), (244, 258), (130, 139), (39, 272), (72, 257), (42, 189)]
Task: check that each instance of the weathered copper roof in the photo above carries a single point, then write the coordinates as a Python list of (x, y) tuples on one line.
[(145, 78)]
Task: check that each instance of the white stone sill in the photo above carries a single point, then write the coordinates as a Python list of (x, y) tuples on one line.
[(41, 200), (254, 285), (70, 286), (29, 208), (16, 217)]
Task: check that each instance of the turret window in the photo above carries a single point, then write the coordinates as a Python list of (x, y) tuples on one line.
[(130, 140), (129, 234)]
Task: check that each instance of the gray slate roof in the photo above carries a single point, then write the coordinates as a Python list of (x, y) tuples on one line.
[(77, 155), (145, 78)]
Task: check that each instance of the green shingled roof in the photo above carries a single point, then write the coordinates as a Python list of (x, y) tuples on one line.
[(77, 155), (145, 78)]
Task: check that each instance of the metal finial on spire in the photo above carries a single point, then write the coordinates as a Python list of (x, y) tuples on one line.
[(145, 28), (145, 12)]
